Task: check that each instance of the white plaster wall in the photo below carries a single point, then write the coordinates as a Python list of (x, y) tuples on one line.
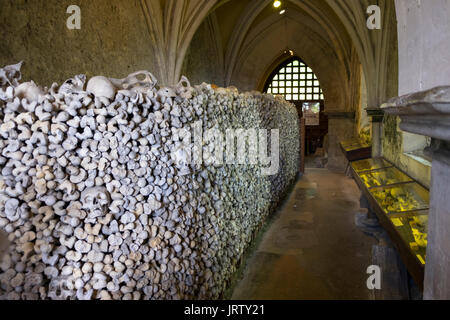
[(424, 44), (424, 63)]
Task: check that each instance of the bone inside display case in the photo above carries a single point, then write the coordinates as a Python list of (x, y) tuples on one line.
[(400, 201), (370, 164), (413, 229), (402, 198), (384, 177), (355, 144)]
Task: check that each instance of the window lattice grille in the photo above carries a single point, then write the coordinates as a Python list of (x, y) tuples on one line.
[(296, 82)]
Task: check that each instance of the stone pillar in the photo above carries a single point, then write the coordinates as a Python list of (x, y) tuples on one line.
[(377, 115), (437, 272), (341, 126), (428, 113)]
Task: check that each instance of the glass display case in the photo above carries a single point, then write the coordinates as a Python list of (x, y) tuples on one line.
[(349, 143), (413, 230), (356, 150), (370, 164), (401, 205), (354, 146), (384, 177), (402, 198)]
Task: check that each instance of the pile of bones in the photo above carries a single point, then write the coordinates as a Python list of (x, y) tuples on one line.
[(95, 205)]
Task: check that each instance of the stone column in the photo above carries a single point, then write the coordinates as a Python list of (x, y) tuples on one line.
[(377, 115), (341, 126), (428, 113)]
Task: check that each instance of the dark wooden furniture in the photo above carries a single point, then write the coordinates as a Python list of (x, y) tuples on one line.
[(355, 150)]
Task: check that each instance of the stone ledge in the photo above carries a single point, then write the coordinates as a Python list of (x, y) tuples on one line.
[(426, 113), (420, 158), (377, 114)]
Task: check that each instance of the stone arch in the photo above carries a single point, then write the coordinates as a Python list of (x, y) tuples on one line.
[(344, 23), (261, 49), (281, 59)]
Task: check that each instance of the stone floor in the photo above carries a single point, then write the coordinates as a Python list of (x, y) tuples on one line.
[(312, 249)]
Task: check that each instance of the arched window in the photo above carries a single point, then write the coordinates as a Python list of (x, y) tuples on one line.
[(295, 81)]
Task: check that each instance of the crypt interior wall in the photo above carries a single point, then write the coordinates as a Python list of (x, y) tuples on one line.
[(113, 40)]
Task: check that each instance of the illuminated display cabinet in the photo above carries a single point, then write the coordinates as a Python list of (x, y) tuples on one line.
[(370, 164), (402, 205), (384, 177), (413, 229), (352, 145), (356, 150), (402, 198)]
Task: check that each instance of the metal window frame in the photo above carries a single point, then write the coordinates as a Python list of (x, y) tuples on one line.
[(302, 84)]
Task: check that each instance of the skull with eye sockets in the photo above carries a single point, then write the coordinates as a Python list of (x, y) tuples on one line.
[(95, 201)]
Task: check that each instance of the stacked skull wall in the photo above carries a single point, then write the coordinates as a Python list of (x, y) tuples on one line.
[(116, 191)]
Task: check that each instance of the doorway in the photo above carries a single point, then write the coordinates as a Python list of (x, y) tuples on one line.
[(298, 84)]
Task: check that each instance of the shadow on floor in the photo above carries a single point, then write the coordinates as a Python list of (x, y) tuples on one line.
[(313, 249)]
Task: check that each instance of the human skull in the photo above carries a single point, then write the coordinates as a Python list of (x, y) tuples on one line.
[(101, 87), (184, 88), (10, 75), (73, 85), (167, 92), (141, 81), (95, 201)]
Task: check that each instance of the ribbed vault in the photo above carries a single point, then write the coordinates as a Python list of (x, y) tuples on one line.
[(331, 36), (266, 41), (337, 28)]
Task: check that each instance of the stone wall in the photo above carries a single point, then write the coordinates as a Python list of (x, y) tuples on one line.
[(339, 129), (393, 144), (113, 40), (424, 43), (204, 58), (103, 195)]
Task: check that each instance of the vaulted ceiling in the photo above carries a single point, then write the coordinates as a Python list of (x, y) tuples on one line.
[(330, 35)]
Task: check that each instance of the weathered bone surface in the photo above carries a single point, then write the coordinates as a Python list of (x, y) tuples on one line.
[(99, 201)]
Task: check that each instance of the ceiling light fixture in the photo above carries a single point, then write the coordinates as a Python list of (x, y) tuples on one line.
[(283, 11), (277, 4)]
